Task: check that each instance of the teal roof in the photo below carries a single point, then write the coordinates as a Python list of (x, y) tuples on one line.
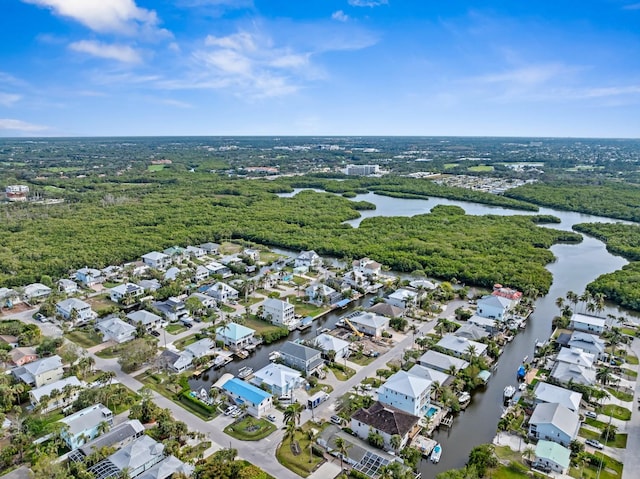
[(245, 391), (553, 451), (234, 331)]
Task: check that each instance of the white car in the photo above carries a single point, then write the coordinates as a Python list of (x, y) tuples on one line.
[(591, 414), (230, 410), (594, 443)]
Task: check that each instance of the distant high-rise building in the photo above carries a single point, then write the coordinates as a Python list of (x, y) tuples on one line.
[(17, 192), (362, 170)]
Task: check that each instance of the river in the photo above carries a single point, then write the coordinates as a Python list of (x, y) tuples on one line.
[(576, 265)]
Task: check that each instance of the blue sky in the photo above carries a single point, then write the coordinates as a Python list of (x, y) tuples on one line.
[(320, 67)]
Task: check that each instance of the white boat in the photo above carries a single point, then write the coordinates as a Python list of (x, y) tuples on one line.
[(464, 397), (436, 453), (245, 372), (508, 393), (274, 356)]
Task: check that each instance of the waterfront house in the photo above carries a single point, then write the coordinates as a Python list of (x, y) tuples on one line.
[(433, 375), (370, 324), (386, 421), (235, 336), (300, 357), (148, 319), (252, 254), (554, 422), (460, 347), (126, 293), (566, 373), (367, 267), (550, 393), (403, 298), (135, 458), (85, 425), (218, 268), (409, 393), (327, 342), (114, 329), (76, 310), (422, 284), (35, 292), (442, 362), (258, 401), (223, 293), (40, 372), (89, 277), (587, 323), (494, 307), (386, 309), (319, 293), (472, 332), (551, 455), (576, 356), (157, 260), (510, 294), (589, 343), (281, 313), (56, 395), (308, 259), (487, 324), (279, 379), (67, 286)]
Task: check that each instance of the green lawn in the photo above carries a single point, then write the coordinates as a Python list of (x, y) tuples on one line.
[(631, 359), (184, 342), (299, 280), (250, 429), (620, 440), (611, 470), (85, 337), (227, 309), (480, 168), (340, 374), (306, 309), (251, 301), (259, 325), (269, 257), (101, 303), (616, 411), (448, 166), (622, 396), (628, 331), (300, 464), (630, 372), (176, 328), (110, 352), (320, 387), (155, 167), (362, 360)]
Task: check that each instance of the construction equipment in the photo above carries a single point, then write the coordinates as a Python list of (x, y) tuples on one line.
[(355, 330)]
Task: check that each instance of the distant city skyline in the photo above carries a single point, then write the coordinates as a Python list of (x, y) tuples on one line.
[(320, 67)]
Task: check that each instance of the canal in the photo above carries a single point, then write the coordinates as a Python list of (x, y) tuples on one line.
[(576, 265)]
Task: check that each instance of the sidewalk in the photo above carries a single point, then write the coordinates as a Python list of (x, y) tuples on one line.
[(630, 456)]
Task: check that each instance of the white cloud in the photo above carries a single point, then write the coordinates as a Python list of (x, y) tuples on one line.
[(527, 76), (8, 99), (19, 125), (106, 16), (367, 3), (176, 103), (121, 53), (340, 16)]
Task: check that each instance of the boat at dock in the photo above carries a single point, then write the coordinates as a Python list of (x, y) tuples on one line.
[(245, 372), (436, 453), (274, 356), (464, 399), (242, 354), (221, 361)]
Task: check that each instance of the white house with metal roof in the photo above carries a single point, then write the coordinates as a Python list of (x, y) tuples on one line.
[(589, 343), (461, 347), (494, 307), (279, 312), (574, 373), (278, 378), (57, 394), (550, 393), (36, 291), (40, 372), (442, 362), (327, 342), (433, 375), (588, 323), (115, 329), (554, 422), (403, 298), (235, 336), (148, 319), (83, 311), (308, 259), (156, 260), (576, 356), (551, 455), (409, 393), (369, 323), (84, 425), (223, 293), (135, 458)]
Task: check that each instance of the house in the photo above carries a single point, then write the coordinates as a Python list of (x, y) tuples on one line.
[(442, 362), (279, 379), (210, 248), (576, 356), (149, 320), (115, 329), (433, 375), (367, 267), (206, 301), (76, 310), (171, 274), (326, 342), (150, 285), (200, 274), (172, 309), (472, 332), (258, 401), (117, 437), (409, 393), (9, 340), (549, 393), (386, 309), (402, 298), (308, 259), (281, 313), (85, 425), (67, 286), (199, 349), (370, 324), (9, 298), (89, 277), (510, 294), (167, 468), (223, 293), (40, 372), (554, 422), (422, 284), (180, 362), (320, 293), (111, 272), (489, 325), (461, 347), (218, 268), (551, 455), (176, 253), (56, 395), (196, 251), (386, 421), (588, 343), (235, 336), (126, 293), (35, 292), (566, 373), (301, 357), (157, 260), (23, 355), (252, 254), (135, 458), (587, 323), (494, 307)]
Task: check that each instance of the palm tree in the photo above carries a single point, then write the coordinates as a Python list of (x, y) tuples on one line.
[(528, 452), (311, 435), (290, 431), (472, 351), (343, 447), (604, 375), (292, 414), (560, 302), (103, 427), (396, 441), (573, 298)]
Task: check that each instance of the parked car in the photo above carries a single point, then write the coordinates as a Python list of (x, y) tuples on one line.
[(336, 420), (594, 443), (271, 418), (155, 333), (590, 414), (42, 318), (230, 410)]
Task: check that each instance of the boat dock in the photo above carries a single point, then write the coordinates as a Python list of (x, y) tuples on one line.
[(424, 445), (222, 360), (447, 421)]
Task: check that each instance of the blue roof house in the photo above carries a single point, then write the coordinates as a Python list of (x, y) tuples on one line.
[(258, 401), (235, 336)]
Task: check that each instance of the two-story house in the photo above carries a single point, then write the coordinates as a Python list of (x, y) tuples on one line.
[(588, 323), (40, 372), (76, 310), (89, 277), (223, 293), (157, 260), (85, 425), (300, 357), (235, 336), (494, 307), (114, 329), (279, 379), (126, 293), (308, 259), (409, 393), (386, 421), (554, 422), (281, 313)]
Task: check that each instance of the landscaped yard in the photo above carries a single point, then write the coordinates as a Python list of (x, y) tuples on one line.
[(320, 387), (612, 469), (616, 411), (631, 359), (251, 301), (85, 337), (620, 441), (110, 352), (623, 396), (227, 309), (176, 328), (342, 373), (259, 325), (250, 429), (306, 309), (184, 342), (101, 303), (361, 360), (299, 461)]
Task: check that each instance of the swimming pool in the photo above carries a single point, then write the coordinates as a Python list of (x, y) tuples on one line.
[(432, 410)]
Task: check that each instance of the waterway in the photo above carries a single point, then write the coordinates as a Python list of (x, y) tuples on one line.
[(576, 265)]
